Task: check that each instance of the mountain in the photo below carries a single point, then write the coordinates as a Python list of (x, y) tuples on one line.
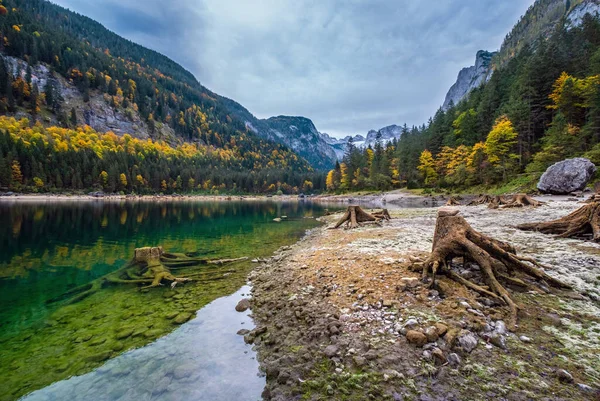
[(78, 79), (470, 78), (297, 133)]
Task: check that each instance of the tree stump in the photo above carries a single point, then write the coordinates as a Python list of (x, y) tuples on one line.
[(152, 267), (521, 200), (481, 200), (498, 260), (354, 216), (452, 201), (583, 223)]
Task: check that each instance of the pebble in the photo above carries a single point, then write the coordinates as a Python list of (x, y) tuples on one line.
[(468, 341), (500, 327), (416, 337), (331, 350), (564, 376), (243, 305), (525, 339), (454, 359)]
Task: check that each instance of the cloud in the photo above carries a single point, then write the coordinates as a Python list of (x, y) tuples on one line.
[(348, 65)]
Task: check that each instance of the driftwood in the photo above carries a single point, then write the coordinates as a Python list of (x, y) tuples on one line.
[(355, 216), (582, 223), (151, 267), (498, 260)]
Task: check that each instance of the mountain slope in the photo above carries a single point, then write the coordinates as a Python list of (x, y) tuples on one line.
[(61, 68), (470, 78), (298, 133)]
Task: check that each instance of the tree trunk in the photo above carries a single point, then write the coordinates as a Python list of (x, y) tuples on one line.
[(582, 223), (498, 260)]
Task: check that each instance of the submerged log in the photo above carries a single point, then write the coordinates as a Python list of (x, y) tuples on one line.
[(355, 216), (498, 260), (582, 223), (152, 267)]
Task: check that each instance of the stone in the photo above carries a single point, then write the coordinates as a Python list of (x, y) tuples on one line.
[(360, 361), (183, 371), (500, 327), (468, 341), (182, 318), (453, 359), (585, 388), (243, 305), (525, 339), (567, 176), (331, 350), (431, 333), (124, 333), (441, 329), (564, 376), (411, 324), (243, 332), (439, 356), (416, 338), (387, 303), (496, 339)]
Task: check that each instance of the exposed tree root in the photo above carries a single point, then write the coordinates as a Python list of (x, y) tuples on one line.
[(583, 223), (481, 200), (521, 200), (383, 215), (354, 216), (452, 201), (497, 260), (151, 267), (498, 201)]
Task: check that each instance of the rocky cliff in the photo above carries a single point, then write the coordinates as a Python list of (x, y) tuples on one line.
[(470, 78)]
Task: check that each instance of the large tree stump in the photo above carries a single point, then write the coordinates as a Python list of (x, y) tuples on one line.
[(498, 261), (481, 200), (521, 200), (582, 223), (353, 217), (151, 267)]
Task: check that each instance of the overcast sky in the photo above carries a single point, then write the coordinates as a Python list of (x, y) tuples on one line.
[(348, 65)]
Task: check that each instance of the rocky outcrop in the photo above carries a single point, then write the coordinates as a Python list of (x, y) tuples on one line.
[(575, 17), (567, 176), (470, 78)]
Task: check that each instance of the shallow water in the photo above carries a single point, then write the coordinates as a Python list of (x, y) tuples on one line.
[(51, 248), (203, 360)]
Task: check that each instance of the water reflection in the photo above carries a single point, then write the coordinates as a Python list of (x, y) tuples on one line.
[(47, 249), (204, 360)]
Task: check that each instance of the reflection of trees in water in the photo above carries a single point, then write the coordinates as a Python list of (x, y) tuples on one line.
[(84, 233)]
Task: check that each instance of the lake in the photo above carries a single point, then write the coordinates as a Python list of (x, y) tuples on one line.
[(47, 334)]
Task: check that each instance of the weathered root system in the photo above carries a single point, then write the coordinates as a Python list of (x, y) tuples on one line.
[(498, 201), (452, 201), (497, 260), (583, 223), (151, 267), (355, 216)]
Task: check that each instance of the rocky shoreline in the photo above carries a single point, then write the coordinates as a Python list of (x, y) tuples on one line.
[(340, 316)]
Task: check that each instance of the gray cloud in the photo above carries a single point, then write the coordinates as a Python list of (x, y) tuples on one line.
[(349, 65)]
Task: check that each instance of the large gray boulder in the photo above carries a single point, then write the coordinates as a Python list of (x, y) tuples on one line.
[(567, 176)]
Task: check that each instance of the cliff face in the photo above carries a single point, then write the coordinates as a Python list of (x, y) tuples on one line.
[(575, 17), (470, 78)]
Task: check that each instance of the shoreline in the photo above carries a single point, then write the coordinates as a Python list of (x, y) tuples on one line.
[(332, 314)]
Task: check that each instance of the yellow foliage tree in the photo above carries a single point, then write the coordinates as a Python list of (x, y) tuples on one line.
[(501, 139), (427, 168)]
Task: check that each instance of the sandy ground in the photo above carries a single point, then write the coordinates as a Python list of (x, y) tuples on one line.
[(333, 313)]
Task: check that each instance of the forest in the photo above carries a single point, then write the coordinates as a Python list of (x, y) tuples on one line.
[(211, 150), (540, 107)]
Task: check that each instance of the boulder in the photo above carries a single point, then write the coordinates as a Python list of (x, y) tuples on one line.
[(567, 176), (243, 305)]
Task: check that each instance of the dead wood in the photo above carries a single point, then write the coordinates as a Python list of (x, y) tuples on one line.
[(583, 223), (498, 260), (151, 267), (355, 216), (452, 201)]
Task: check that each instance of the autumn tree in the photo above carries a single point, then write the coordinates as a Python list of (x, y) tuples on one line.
[(427, 168), (499, 143)]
